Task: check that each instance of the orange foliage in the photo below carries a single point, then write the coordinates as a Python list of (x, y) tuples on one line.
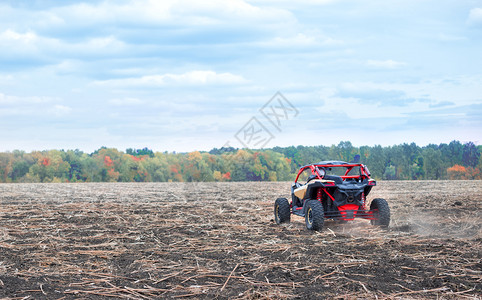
[(178, 178), (174, 169), (465, 173), (474, 173), (227, 176), (113, 174), (135, 158), (108, 161), (288, 160), (457, 172), (46, 161), (457, 168), (195, 156)]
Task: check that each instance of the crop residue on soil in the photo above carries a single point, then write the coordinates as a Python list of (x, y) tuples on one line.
[(205, 240)]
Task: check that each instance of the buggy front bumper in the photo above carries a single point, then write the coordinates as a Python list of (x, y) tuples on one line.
[(350, 214)]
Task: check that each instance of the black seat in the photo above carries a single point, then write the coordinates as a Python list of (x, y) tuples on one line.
[(335, 178)]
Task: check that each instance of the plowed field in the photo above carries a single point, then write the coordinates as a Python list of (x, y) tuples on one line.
[(219, 240)]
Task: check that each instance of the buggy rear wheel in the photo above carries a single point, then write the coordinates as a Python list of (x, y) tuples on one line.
[(282, 213), (381, 212), (314, 216)]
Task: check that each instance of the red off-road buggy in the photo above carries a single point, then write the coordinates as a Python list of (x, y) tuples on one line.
[(333, 190)]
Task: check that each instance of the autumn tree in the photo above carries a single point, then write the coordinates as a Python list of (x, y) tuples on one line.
[(457, 172), (405, 161), (50, 167), (108, 161)]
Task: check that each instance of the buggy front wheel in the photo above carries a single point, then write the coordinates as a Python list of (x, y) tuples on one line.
[(381, 212), (282, 211), (314, 216)]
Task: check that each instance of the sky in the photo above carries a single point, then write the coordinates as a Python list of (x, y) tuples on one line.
[(195, 75)]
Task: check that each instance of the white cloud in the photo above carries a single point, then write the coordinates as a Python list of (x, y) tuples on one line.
[(372, 100), (102, 43), (299, 40), (181, 13), (385, 64), (475, 16), (308, 2), (15, 100), (147, 28), (5, 78), (192, 78), (358, 110), (10, 35), (451, 38), (18, 45), (126, 101), (60, 110), (30, 44), (33, 106), (224, 60)]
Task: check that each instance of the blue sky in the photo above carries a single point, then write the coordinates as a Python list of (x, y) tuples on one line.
[(191, 75)]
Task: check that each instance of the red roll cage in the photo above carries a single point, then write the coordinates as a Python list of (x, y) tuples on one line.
[(315, 167)]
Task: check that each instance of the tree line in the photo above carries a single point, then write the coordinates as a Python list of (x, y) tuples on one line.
[(400, 162)]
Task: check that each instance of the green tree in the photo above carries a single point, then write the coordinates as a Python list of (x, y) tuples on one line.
[(346, 151), (432, 166), (452, 153), (470, 155), (376, 161), (74, 159), (19, 169), (157, 167)]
